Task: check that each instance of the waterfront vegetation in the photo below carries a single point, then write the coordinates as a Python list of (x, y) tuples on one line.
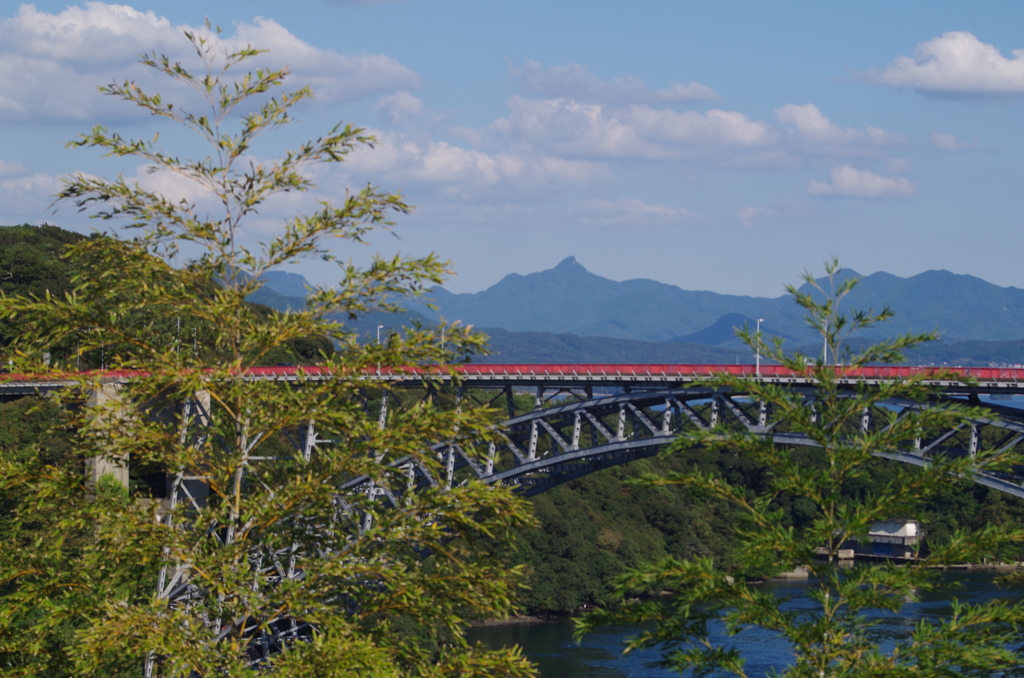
[(597, 527), (834, 490)]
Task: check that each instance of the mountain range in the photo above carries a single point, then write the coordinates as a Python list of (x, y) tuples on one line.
[(570, 299), (568, 314)]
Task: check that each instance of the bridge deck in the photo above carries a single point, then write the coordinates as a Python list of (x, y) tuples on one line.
[(986, 379)]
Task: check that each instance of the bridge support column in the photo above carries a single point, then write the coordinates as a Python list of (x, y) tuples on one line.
[(106, 396)]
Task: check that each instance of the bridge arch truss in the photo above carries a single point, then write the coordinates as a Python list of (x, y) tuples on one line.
[(579, 426)]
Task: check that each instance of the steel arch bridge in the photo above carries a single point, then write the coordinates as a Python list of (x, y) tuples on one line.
[(589, 417), (585, 417)]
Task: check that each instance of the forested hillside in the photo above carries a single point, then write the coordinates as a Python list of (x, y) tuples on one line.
[(31, 263), (594, 528)]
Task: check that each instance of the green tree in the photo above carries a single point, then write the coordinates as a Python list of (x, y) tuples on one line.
[(834, 639), (278, 540)]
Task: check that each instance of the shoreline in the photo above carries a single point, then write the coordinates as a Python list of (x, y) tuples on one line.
[(550, 617), (520, 619)]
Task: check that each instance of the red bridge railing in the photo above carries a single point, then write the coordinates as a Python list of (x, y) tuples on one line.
[(595, 370)]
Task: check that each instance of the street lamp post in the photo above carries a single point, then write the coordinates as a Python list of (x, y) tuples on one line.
[(824, 349), (757, 348), (379, 328)]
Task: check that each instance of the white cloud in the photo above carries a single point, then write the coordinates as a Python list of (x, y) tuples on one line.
[(718, 127), (812, 132), (333, 76), (955, 63), (576, 82), (949, 142), (850, 182), (566, 126), (52, 63), (26, 198), (573, 128), (629, 212), (8, 168), (749, 216), (459, 169), (97, 32), (172, 186), (399, 106)]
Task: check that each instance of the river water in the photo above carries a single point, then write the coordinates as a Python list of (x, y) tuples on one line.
[(552, 648)]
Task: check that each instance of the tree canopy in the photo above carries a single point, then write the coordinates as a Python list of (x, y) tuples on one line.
[(835, 637), (321, 559)]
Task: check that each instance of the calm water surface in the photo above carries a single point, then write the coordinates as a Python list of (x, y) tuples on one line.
[(552, 648)]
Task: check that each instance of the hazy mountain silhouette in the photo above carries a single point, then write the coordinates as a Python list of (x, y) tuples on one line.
[(723, 332), (568, 299), (286, 284)]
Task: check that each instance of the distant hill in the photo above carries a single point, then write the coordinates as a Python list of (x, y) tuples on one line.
[(365, 325), (557, 309), (570, 299), (286, 284), (267, 296), (969, 353), (723, 332), (548, 348), (961, 307), (714, 344)]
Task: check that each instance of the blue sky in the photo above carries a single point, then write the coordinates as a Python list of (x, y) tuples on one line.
[(723, 146)]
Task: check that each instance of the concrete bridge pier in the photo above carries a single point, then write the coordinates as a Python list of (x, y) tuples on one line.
[(106, 396)]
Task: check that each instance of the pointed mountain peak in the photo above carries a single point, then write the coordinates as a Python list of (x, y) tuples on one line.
[(568, 262), (286, 283)]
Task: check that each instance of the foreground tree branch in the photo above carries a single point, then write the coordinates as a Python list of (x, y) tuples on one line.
[(275, 541), (835, 639)]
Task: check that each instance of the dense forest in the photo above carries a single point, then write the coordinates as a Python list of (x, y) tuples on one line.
[(31, 264), (594, 528), (589, 530)]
